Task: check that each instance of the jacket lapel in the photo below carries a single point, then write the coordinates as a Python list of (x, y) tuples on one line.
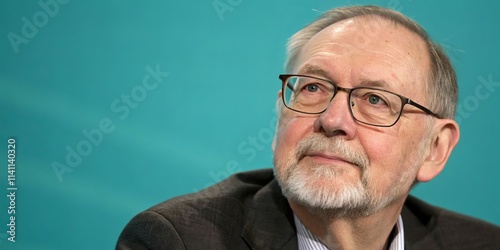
[(418, 223), (269, 220)]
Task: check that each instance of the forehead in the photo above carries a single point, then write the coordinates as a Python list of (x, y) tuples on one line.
[(368, 48)]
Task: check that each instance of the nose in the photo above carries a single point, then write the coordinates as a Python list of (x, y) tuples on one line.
[(337, 119)]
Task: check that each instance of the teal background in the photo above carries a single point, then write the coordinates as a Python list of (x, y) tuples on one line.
[(210, 117)]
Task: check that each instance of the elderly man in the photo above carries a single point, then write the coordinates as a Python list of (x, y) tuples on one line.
[(365, 113)]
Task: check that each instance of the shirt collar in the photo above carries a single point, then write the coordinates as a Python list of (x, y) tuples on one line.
[(307, 241)]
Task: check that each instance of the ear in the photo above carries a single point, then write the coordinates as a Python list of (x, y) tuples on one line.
[(278, 112), (445, 135)]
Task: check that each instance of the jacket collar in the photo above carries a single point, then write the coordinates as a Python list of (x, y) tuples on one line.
[(418, 223), (269, 220)]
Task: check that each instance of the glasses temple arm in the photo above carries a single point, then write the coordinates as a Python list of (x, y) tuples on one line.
[(426, 110)]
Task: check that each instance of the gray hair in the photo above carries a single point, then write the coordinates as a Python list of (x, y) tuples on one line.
[(442, 89)]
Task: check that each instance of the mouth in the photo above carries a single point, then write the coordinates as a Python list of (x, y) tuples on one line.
[(324, 158)]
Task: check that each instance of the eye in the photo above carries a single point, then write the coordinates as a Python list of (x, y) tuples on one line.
[(375, 99), (312, 87)]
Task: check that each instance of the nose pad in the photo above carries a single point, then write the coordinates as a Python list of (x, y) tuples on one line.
[(342, 103)]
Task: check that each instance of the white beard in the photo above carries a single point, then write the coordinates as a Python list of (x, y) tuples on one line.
[(327, 190)]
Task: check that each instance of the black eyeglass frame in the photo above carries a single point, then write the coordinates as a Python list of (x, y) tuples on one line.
[(404, 100)]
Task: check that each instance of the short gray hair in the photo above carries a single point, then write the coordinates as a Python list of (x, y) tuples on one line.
[(442, 89)]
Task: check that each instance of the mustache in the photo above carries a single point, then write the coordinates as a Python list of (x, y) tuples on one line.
[(338, 147)]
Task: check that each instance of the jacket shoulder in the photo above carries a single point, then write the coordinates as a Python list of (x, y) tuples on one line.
[(192, 220), (448, 229), (238, 189)]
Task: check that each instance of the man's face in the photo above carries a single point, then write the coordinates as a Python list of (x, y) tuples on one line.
[(332, 162)]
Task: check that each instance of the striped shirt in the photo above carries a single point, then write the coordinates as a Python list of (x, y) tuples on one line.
[(307, 241)]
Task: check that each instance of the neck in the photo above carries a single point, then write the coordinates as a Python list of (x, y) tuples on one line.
[(368, 232)]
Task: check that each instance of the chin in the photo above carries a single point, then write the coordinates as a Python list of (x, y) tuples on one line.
[(328, 192), (322, 187)]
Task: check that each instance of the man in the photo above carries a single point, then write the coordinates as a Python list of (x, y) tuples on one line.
[(365, 113)]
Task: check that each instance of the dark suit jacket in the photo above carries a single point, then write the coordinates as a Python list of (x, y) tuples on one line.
[(248, 211)]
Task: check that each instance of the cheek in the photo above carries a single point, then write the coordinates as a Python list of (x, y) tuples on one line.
[(377, 146), (391, 156), (290, 132), (385, 154)]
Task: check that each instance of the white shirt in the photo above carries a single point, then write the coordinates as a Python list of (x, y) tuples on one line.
[(307, 241)]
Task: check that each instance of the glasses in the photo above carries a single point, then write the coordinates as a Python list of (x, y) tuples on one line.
[(371, 106)]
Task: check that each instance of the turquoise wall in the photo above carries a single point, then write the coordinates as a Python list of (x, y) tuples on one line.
[(118, 105)]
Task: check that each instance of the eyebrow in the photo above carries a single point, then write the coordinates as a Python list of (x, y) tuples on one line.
[(314, 70), (369, 83), (309, 69)]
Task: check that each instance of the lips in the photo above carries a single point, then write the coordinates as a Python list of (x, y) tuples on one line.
[(325, 157)]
